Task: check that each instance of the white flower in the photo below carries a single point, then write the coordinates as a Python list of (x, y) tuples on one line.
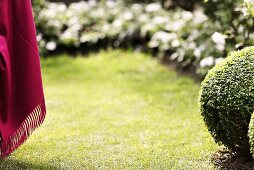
[(146, 28), (245, 11), (42, 43), (127, 15), (73, 21), (220, 47), (177, 25), (249, 1), (202, 47), (160, 20), (137, 7), (143, 18), (51, 45), (164, 36), (168, 27), (199, 17), (174, 56), (153, 44), (105, 28), (175, 43), (110, 4), (240, 29), (39, 37), (251, 36), (99, 13), (219, 40), (48, 13), (194, 34), (187, 15), (55, 23), (192, 45), (67, 35), (218, 60), (117, 23), (61, 7), (153, 7), (54, 9), (208, 61), (197, 53), (84, 38), (70, 33), (92, 2), (78, 7)]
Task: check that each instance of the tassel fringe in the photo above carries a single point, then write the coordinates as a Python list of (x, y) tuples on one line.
[(33, 121)]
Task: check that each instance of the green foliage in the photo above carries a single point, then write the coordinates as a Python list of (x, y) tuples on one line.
[(227, 98), (85, 25), (188, 38), (38, 5), (233, 20), (250, 6), (185, 4)]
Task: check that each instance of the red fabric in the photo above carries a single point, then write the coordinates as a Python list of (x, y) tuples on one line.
[(22, 106)]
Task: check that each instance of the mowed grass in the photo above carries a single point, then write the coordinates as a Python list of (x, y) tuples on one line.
[(116, 110)]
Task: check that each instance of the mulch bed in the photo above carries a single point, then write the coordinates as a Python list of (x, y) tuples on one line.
[(225, 160), (186, 71)]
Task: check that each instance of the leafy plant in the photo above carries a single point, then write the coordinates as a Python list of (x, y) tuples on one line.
[(226, 100), (234, 20), (189, 38)]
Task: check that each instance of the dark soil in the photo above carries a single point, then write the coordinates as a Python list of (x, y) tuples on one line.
[(225, 160), (187, 70)]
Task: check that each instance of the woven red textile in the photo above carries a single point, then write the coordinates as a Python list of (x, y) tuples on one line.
[(22, 104)]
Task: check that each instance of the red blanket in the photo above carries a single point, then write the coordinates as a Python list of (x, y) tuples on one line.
[(22, 106)]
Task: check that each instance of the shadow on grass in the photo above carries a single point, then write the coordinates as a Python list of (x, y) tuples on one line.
[(223, 159), (11, 164)]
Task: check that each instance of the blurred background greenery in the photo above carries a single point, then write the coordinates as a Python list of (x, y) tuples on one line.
[(191, 33)]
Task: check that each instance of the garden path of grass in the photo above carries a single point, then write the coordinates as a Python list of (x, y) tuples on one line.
[(116, 110)]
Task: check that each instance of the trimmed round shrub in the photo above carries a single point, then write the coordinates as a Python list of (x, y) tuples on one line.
[(251, 134), (227, 100)]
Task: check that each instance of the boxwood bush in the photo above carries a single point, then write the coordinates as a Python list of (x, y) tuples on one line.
[(227, 99)]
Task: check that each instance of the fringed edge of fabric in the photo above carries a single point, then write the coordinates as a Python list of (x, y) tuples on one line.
[(33, 121)]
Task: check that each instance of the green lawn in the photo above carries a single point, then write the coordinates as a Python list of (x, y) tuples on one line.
[(116, 110)]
